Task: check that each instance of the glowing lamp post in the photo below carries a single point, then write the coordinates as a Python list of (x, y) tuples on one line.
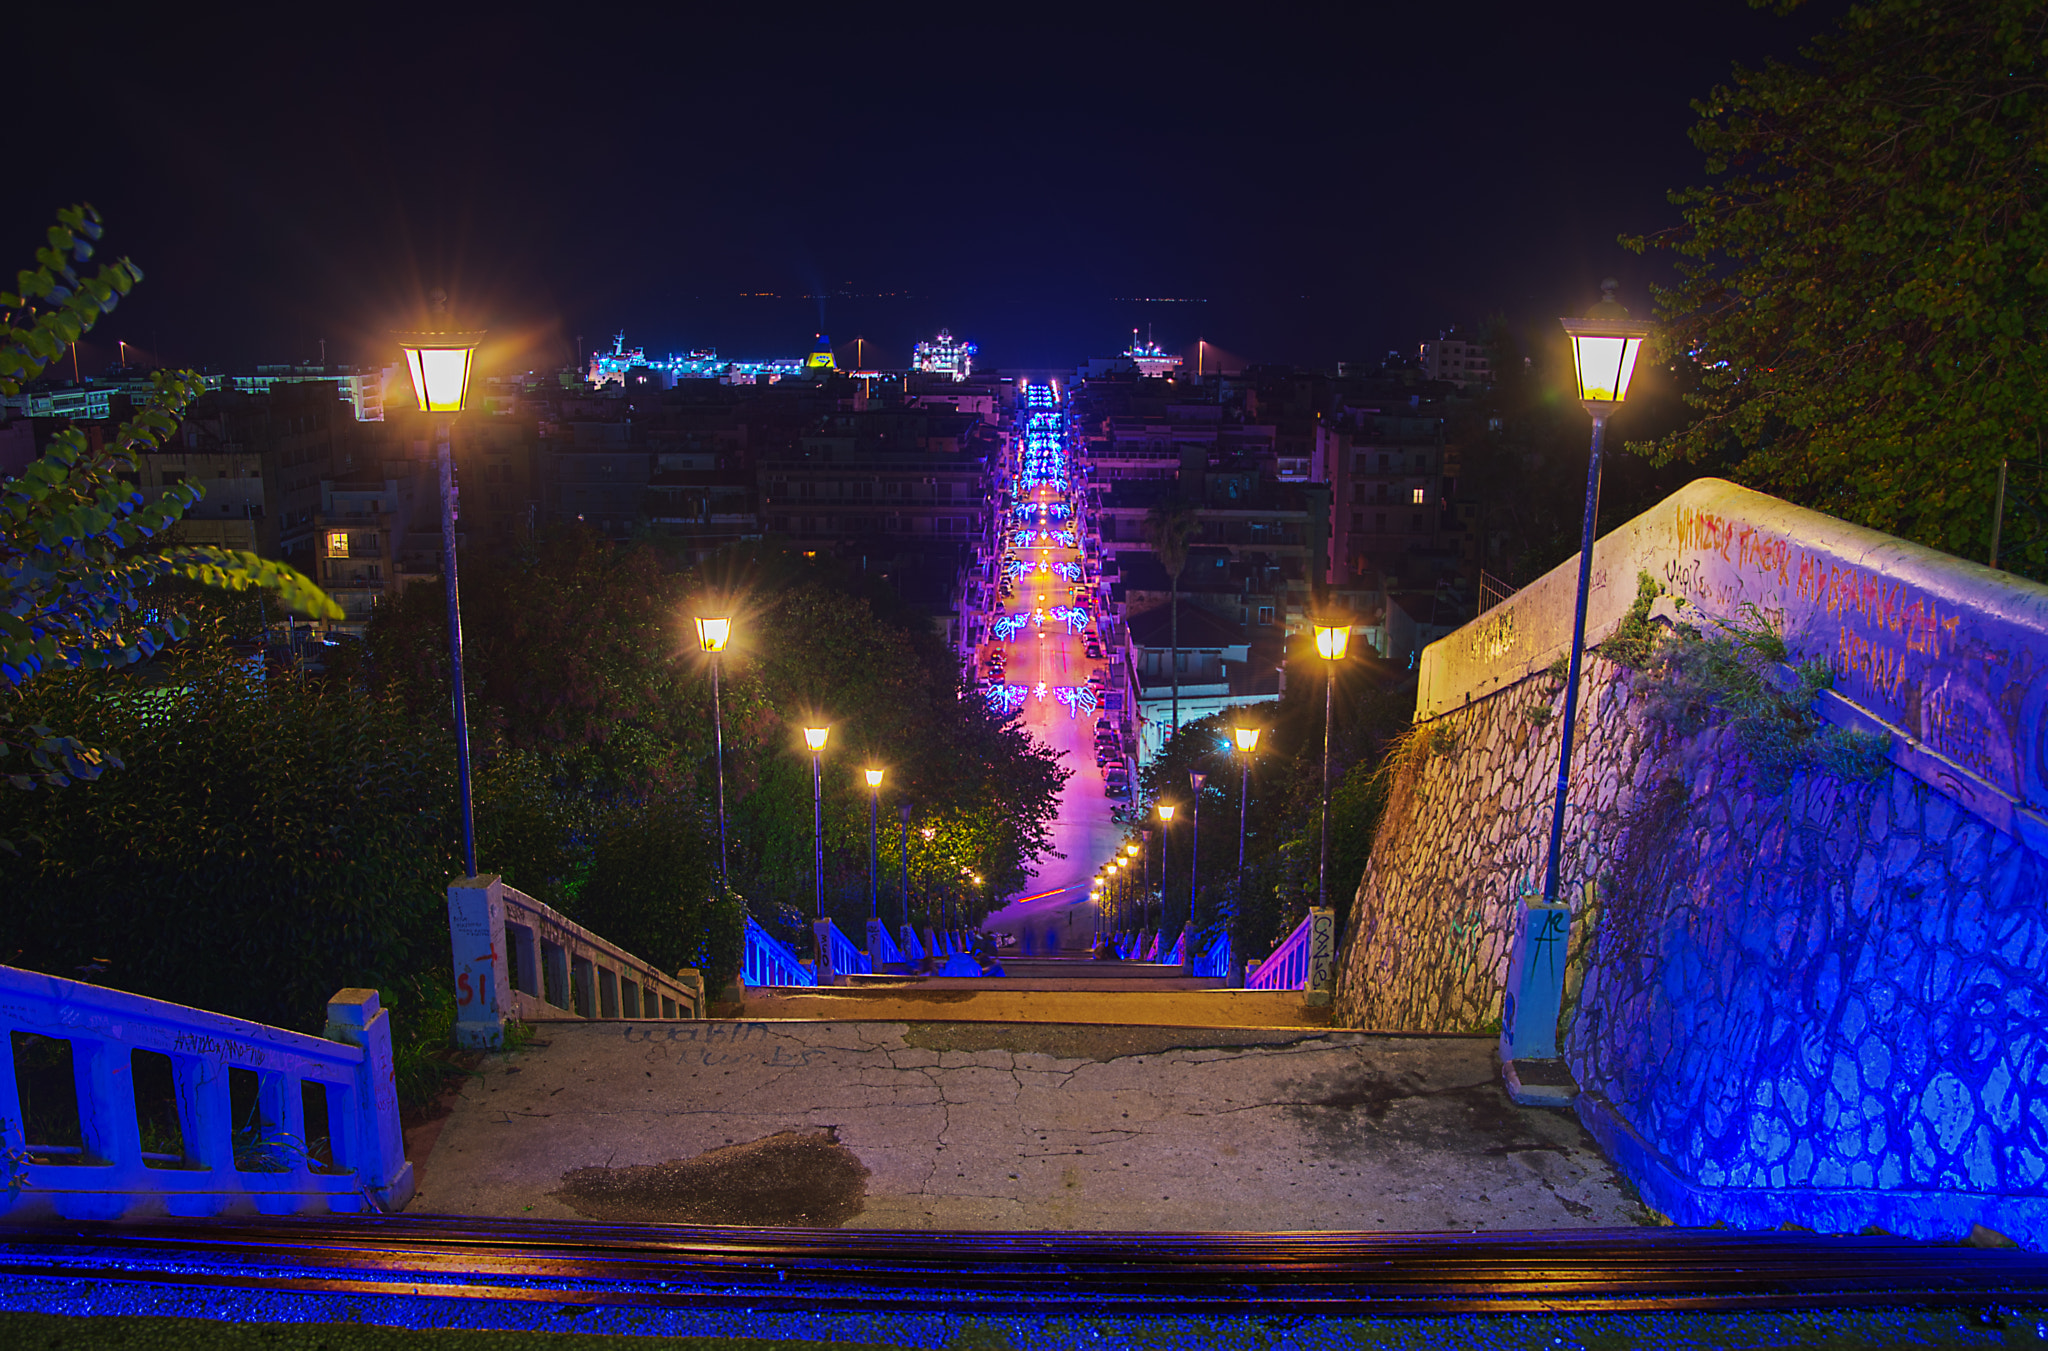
[(1166, 811), (1247, 742), (1333, 641), (814, 737), (1196, 778), (1605, 345), (712, 635), (874, 778), (440, 364)]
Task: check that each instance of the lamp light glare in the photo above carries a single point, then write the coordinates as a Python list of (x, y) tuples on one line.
[(874, 778), (814, 737), (1333, 641), (440, 365), (1247, 738), (713, 634), (1166, 810)]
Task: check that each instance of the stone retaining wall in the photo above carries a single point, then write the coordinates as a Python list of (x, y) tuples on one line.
[(1825, 1006)]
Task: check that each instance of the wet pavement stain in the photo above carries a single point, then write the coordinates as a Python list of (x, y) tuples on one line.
[(1090, 1041), (1345, 1110), (791, 1178)]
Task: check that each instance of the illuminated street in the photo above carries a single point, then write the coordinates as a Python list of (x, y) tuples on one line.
[(1047, 659)]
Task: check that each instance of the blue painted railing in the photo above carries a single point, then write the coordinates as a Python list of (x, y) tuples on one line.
[(116, 1106), (911, 948), (1302, 961), (768, 961), (882, 949), (1214, 960), (847, 960), (1179, 955)]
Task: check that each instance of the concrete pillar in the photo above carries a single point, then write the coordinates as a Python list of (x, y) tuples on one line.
[(476, 931), (377, 1152), (821, 933), (1322, 955), (1529, 1056)]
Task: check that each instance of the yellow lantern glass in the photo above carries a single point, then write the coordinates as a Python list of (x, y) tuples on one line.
[(1247, 738), (1166, 810), (1333, 641), (1605, 345), (814, 737), (440, 365), (713, 634), (874, 778)]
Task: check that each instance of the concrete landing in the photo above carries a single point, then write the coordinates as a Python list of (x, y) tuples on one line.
[(1148, 1003), (979, 1126)]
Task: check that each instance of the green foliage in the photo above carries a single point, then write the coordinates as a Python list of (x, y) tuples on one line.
[(1634, 642), (653, 890), (271, 841), (1864, 277), (1736, 676), (74, 532)]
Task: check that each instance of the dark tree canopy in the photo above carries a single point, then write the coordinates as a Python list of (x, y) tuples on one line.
[(1864, 284)]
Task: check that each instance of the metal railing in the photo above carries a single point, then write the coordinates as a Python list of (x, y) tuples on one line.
[(1213, 960), (549, 969), (118, 1106), (1302, 961), (768, 961), (847, 960)]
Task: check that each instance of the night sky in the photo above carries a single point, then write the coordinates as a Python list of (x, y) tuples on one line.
[(1330, 183)]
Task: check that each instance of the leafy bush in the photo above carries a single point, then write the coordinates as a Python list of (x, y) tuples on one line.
[(1735, 676), (271, 842), (653, 890), (1634, 643)]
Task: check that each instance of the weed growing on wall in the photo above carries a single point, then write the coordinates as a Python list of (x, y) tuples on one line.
[(1741, 675), (1634, 642)]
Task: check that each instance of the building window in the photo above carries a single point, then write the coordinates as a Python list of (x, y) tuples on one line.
[(1383, 464), (1379, 521), (337, 544), (1265, 614), (1421, 496), (1417, 525)]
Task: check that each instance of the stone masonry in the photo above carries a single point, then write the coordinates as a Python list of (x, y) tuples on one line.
[(1826, 1006)]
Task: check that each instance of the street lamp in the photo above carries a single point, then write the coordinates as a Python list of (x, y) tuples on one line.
[(874, 777), (1145, 849), (1247, 742), (1166, 810), (440, 364), (1332, 642), (1196, 778), (814, 737), (1605, 345), (713, 632)]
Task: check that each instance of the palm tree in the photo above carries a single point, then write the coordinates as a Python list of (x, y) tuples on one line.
[(1167, 527)]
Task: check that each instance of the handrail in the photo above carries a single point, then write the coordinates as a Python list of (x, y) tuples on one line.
[(1179, 955), (912, 950), (551, 969), (1214, 960), (242, 1118), (847, 960), (768, 961), (1301, 961), (882, 949)]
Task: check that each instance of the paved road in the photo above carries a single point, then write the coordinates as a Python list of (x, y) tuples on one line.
[(992, 1126), (1048, 655)]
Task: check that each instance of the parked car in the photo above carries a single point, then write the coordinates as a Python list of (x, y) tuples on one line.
[(1093, 651), (1116, 789)]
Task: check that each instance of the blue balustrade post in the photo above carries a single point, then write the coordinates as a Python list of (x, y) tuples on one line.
[(1529, 1008), (1322, 954), (356, 1018)]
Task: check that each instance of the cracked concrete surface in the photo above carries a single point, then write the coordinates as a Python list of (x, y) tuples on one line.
[(979, 1126)]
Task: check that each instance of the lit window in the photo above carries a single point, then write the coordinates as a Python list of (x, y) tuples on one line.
[(1421, 496), (337, 544)]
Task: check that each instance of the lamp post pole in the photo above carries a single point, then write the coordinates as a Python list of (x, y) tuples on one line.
[(1606, 335), (818, 828), (718, 735), (1145, 847), (443, 433), (874, 875), (1323, 850), (1571, 680)]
